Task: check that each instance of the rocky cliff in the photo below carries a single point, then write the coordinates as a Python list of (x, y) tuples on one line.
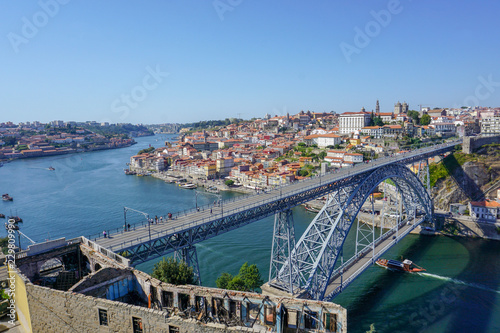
[(468, 177)]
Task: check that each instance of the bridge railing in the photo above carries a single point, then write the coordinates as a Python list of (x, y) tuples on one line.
[(106, 252), (287, 190)]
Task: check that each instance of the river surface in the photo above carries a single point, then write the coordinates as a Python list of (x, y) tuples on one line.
[(86, 194)]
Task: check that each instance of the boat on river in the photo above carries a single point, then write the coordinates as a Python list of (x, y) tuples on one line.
[(189, 186), (2, 216), (51, 168), (311, 209), (6, 197), (129, 172), (405, 266), (11, 226), (16, 219)]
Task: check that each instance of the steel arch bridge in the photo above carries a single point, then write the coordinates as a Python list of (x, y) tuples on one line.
[(309, 269), (305, 269)]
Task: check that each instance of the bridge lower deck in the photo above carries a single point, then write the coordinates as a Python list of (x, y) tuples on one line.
[(341, 281)]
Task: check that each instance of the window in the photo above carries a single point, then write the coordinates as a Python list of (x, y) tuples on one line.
[(270, 315), (310, 319), (168, 299), (330, 322), (137, 325), (184, 301), (103, 317), (173, 329), (292, 319)]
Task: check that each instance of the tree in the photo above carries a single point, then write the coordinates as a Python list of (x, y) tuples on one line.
[(250, 276), (425, 120), (377, 121), (223, 280), (237, 283), (229, 182), (146, 150), (248, 279), (303, 173), (372, 119), (174, 272), (415, 116), (322, 155), (301, 144)]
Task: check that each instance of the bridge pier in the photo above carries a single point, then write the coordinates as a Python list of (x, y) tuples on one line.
[(189, 256), (281, 253)]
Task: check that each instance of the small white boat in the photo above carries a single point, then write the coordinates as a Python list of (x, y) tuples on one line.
[(189, 186)]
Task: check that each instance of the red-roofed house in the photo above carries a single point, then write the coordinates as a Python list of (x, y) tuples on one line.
[(484, 210)]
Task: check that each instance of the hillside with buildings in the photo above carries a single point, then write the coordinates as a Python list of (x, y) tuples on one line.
[(35, 139), (273, 150)]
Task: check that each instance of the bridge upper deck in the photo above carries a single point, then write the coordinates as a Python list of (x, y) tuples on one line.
[(254, 207)]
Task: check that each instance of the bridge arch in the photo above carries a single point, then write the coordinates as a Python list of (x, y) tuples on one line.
[(316, 254)]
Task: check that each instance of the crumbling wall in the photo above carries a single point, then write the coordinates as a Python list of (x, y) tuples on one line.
[(61, 312)]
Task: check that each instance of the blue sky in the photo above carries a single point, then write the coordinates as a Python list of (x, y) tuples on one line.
[(183, 61)]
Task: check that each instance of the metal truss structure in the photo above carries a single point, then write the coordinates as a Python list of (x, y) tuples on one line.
[(312, 260), (189, 256), (281, 253), (317, 252)]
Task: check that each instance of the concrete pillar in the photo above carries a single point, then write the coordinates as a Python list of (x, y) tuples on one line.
[(176, 299)]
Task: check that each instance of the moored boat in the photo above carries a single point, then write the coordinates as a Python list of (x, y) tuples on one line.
[(405, 266), (2, 216), (11, 226), (189, 186), (16, 219), (6, 197), (129, 172), (212, 189)]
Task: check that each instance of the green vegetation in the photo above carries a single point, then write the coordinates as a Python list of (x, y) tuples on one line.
[(303, 173), (9, 140), (146, 150), (211, 123), (248, 279), (415, 116), (425, 120), (447, 165), (377, 121), (229, 182), (174, 272), (4, 242), (113, 129), (3, 294), (436, 172), (390, 182)]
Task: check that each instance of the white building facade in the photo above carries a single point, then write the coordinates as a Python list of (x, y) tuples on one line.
[(350, 122)]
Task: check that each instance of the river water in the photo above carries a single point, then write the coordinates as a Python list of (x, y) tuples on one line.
[(460, 292)]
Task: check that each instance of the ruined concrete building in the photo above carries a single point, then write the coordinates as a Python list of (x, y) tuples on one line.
[(77, 286)]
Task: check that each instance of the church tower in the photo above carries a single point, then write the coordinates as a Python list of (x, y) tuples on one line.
[(377, 108), (398, 108)]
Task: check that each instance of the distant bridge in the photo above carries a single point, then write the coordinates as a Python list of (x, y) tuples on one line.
[(311, 266)]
